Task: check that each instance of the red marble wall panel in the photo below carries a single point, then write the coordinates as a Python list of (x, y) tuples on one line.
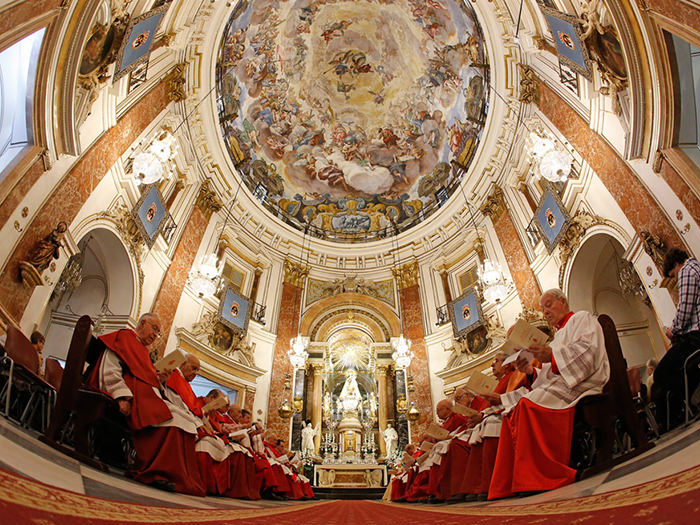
[(287, 327), (635, 201), (681, 189), (518, 263), (412, 320), (175, 276), (17, 193), (69, 195)]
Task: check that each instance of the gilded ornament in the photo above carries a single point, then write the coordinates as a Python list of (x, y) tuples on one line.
[(294, 274), (529, 85), (406, 275), (207, 200)]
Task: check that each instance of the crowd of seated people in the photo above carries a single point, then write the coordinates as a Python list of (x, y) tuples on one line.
[(532, 406), (184, 443)]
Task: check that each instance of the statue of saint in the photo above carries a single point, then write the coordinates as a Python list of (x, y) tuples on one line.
[(47, 249), (307, 438), (391, 439), (350, 397)]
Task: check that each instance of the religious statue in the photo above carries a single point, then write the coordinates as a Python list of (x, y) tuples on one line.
[(47, 248), (391, 439), (350, 397), (42, 254), (327, 405), (308, 433)]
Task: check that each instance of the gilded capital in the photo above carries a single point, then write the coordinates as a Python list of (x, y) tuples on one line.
[(529, 85), (207, 200), (495, 204), (175, 83), (406, 275), (294, 274)]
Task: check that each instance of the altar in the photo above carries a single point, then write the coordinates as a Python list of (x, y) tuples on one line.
[(350, 476)]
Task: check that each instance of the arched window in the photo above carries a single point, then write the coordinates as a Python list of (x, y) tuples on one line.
[(17, 74)]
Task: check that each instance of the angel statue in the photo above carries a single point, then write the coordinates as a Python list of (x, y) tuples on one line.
[(308, 433)]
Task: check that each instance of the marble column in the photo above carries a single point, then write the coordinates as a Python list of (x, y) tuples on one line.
[(518, 263), (68, 197), (175, 278), (412, 324), (317, 404), (382, 402), (287, 325)]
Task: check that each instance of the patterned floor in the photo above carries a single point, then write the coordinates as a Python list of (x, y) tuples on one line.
[(665, 472)]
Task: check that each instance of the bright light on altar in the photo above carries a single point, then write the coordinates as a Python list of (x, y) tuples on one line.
[(297, 352), (494, 285), (549, 160), (204, 279), (402, 355)]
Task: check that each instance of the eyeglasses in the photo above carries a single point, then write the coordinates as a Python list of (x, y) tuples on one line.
[(156, 329)]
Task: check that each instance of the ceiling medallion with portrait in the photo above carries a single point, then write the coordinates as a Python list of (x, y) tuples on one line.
[(352, 117)]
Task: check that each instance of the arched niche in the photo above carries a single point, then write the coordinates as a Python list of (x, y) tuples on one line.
[(107, 291), (594, 285)]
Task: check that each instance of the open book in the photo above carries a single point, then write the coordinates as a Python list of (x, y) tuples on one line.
[(407, 460), (215, 404), (522, 336), (464, 411), (514, 357), (481, 384), (437, 432), (426, 446), (170, 362)]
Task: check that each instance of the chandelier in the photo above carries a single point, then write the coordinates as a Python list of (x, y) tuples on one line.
[(494, 286), (204, 279), (402, 354), (297, 352), (148, 166), (549, 159)]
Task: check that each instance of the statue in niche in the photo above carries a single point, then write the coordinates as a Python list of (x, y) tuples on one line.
[(350, 397)]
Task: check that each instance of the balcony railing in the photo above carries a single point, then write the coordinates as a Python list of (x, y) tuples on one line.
[(442, 315), (259, 313)]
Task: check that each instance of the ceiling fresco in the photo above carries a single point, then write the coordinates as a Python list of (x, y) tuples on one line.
[(352, 119)]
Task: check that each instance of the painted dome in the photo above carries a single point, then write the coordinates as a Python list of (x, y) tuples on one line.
[(352, 119)]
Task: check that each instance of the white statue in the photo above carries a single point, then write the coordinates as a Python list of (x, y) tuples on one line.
[(391, 439), (308, 433), (350, 397), (372, 405)]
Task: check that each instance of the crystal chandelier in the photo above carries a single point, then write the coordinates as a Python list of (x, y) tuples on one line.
[(493, 283), (204, 279), (549, 160), (148, 166), (402, 354), (297, 352)]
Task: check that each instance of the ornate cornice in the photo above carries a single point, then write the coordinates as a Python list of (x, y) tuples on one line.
[(294, 273)]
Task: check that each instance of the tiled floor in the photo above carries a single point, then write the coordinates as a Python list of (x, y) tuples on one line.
[(24, 454)]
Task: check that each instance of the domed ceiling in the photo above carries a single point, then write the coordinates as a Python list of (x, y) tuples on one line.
[(352, 119)]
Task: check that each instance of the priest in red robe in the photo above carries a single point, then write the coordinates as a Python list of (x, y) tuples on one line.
[(164, 430), (540, 421), (420, 488)]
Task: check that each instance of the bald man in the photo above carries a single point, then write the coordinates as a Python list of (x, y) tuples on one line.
[(180, 381), (424, 482), (164, 429), (574, 365)]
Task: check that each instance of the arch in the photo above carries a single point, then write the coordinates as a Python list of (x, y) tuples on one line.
[(361, 302), (593, 284)]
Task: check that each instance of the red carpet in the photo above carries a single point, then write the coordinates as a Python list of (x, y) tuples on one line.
[(674, 499)]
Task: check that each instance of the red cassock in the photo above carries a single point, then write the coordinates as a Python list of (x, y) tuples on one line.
[(162, 453), (425, 483), (476, 478), (399, 486), (541, 459), (298, 489), (446, 479)]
